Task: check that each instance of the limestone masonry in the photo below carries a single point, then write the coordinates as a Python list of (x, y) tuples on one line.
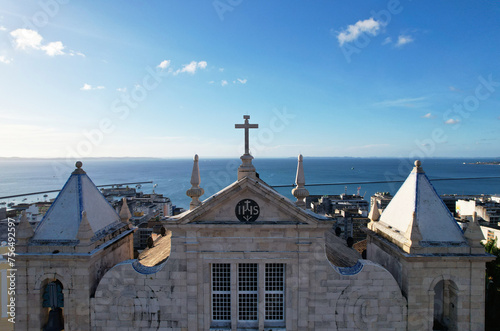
[(249, 258)]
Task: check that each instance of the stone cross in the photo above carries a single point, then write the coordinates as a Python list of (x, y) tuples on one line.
[(246, 126)]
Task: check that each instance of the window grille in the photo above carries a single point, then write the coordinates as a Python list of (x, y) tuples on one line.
[(275, 292), (247, 291), (221, 292)]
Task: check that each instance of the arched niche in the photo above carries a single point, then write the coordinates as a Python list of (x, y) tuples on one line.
[(52, 305), (445, 296)]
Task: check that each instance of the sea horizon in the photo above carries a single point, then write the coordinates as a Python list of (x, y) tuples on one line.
[(7, 158), (351, 175)]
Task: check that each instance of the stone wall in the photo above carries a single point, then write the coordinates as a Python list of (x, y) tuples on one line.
[(418, 276), (177, 294), (79, 274)]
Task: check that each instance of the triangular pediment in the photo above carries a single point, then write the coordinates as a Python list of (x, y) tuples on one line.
[(242, 201)]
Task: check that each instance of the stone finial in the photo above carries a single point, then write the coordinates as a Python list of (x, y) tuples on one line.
[(418, 167), (125, 214), (413, 235), (24, 229), (300, 192), (374, 212), (474, 235), (85, 232), (195, 192), (78, 170)]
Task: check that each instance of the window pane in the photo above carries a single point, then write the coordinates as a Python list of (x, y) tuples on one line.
[(247, 273), (275, 292), (247, 291), (248, 307), (221, 292)]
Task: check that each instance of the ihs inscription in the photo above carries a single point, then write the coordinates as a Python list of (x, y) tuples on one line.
[(247, 210)]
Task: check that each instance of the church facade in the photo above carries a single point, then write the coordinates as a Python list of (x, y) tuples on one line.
[(249, 258)]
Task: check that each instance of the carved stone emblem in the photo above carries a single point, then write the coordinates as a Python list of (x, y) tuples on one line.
[(247, 210)]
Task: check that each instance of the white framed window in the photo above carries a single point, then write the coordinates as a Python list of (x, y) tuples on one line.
[(251, 281), (248, 291), (274, 292), (221, 292)]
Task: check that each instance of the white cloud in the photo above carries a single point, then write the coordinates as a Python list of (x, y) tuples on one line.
[(242, 81), (5, 60), (223, 83), (88, 87), (73, 53), (3, 28), (191, 67), (122, 89), (387, 40), (452, 121), (211, 82), (164, 64), (403, 40), (26, 39), (428, 115), (53, 48), (404, 102), (221, 69), (353, 32)]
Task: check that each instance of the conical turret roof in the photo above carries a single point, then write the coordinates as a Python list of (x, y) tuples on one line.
[(418, 207), (62, 220)]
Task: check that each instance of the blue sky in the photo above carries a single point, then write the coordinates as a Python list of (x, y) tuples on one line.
[(326, 78)]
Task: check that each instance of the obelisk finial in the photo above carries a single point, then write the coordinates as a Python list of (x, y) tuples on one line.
[(85, 232), (125, 214), (24, 229), (300, 192), (374, 214), (195, 192)]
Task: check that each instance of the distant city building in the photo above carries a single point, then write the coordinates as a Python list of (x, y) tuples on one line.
[(487, 209), (349, 211), (118, 190), (382, 199)]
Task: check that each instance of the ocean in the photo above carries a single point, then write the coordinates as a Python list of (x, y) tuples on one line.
[(172, 176)]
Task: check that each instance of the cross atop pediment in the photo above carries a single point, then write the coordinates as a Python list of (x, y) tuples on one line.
[(246, 126)]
